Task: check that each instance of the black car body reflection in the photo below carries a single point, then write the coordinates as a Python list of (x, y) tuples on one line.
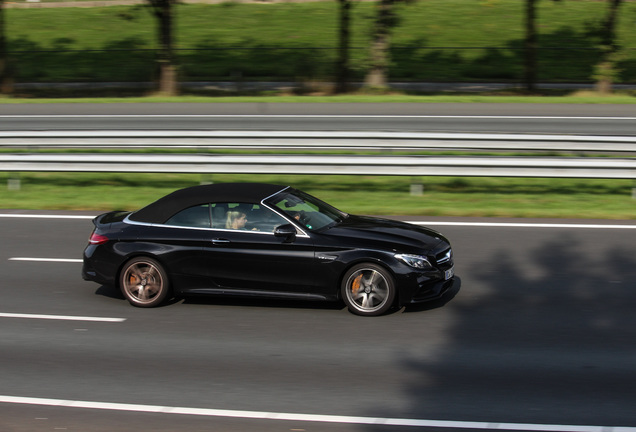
[(253, 239)]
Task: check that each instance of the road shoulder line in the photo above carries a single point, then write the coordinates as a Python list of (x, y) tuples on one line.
[(320, 418)]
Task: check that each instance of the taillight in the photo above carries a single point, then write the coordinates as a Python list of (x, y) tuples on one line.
[(97, 239)]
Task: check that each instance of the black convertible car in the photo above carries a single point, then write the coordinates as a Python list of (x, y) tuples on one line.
[(253, 239)]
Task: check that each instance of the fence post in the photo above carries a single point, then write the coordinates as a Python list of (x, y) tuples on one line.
[(417, 188), (13, 183)]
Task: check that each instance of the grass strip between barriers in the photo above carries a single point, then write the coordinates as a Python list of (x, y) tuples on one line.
[(550, 97), (374, 195)]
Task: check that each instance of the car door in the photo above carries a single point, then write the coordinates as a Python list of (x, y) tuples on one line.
[(179, 243), (255, 260)]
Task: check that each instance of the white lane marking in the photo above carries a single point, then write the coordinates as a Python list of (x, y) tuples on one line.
[(61, 317), (318, 116), (65, 260), (97, 134), (523, 225), (321, 418), (440, 223)]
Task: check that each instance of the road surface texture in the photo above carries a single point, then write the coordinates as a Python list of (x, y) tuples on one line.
[(540, 332), (406, 117)]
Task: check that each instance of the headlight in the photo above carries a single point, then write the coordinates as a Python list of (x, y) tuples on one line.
[(415, 261)]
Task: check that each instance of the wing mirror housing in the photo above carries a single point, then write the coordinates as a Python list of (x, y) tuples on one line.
[(288, 231)]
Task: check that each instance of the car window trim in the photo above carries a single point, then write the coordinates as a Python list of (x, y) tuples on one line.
[(132, 222), (299, 231)]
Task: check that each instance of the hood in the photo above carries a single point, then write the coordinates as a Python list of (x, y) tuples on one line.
[(387, 233)]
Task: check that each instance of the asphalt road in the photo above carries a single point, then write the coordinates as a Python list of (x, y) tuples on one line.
[(541, 331), (471, 118)]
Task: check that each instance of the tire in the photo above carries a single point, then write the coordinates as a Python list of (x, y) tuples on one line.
[(144, 282), (368, 289)]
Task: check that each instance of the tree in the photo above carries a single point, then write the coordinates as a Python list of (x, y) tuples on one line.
[(6, 78), (342, 64), (530, 45), (162, 9), (380, 44), (606, 69)]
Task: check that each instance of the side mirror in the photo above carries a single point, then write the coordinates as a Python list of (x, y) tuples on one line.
[(288, 231)]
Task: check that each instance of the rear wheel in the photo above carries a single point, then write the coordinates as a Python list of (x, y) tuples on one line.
[(144, 282), (368, 289)]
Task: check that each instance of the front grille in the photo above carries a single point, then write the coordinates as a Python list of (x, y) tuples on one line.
[(444, 256)]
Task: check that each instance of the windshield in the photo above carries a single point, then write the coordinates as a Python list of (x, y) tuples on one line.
[(309, 211)]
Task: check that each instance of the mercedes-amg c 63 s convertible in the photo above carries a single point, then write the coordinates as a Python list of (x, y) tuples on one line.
[(263, 240)]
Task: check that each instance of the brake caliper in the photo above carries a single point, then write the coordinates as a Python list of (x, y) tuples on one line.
[(355, 285)]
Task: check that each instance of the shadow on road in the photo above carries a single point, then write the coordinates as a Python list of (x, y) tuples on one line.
[(540, 334), (262, 302)]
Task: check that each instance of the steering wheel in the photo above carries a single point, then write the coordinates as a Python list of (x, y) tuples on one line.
[(303, 217)]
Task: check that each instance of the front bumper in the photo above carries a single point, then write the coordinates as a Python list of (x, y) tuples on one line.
[(432, 291)]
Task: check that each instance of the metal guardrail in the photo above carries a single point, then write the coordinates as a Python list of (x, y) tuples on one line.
[(318, 140), (623, 167)]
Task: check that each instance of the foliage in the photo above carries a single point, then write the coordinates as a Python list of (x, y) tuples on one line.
[(434, 40)]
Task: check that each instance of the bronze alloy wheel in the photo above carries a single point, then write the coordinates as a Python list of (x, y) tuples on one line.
[(144, 282), (368, 289)]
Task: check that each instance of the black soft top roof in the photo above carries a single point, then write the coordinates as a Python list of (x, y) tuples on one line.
[(164, 208)]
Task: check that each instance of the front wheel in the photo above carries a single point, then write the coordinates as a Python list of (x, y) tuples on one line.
[(368, 289), (144, 282)]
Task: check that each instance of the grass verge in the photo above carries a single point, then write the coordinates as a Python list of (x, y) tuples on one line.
[(586, 97), (442, 196)]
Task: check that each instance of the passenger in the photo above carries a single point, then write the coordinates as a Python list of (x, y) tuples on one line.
[(236, 220)]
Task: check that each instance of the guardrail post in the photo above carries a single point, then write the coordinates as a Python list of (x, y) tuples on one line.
[(417, 188), (13, 183)]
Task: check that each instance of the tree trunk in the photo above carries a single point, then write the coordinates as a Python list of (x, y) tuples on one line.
[(530, 46), (6, 78), (167, 64), (377, 76), (342, 67), (168, 79), (604, 79), (606, 69), (609, 26)]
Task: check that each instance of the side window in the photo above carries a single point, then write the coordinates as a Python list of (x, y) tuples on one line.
[(194, 217), (244, 216), (263, 219), (219, 214)]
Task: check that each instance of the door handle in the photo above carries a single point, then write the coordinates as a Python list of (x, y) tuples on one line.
[(220, 241)]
